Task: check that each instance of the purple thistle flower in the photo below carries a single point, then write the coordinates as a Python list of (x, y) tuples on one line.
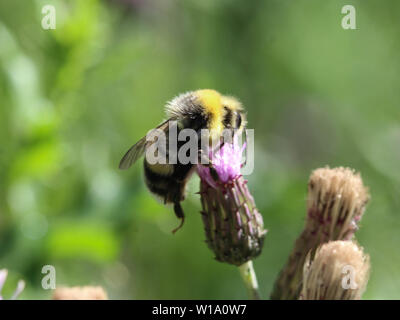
[(226, 163), (234, 227)]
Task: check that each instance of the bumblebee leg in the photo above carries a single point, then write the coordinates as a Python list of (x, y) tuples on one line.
[(222, 142), (180, 215), (214, 173), (247, 149), (204, 159), (209, 164)]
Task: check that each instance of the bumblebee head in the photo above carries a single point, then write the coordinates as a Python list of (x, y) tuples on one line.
[(223, 112), (234, 115), (207, 109)]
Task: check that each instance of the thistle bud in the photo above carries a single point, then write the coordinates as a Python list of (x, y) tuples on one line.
[(80, 293), (339, 271), (336, 203), (233, 226)]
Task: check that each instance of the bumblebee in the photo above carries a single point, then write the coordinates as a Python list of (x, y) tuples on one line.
[(197, 110)]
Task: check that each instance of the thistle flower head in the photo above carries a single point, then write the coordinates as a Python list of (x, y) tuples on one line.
[(226, 163), (339, 271), (336, 203), (18, 290), (80, 293), (233, 226)]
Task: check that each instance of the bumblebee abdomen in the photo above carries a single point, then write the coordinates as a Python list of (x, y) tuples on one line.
[(167, 181)]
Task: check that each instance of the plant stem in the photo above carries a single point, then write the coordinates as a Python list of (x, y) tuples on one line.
[(250, 280)]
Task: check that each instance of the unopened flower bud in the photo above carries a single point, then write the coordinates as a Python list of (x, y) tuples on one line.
[(336, 203), (339, 271)]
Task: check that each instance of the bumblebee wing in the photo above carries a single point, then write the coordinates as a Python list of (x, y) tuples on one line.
[(138, 149), (134, 153)]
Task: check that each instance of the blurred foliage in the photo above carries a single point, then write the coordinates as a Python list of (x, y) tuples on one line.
[(73, 99)]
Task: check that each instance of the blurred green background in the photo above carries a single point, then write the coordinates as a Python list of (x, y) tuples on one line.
[(73, 99)]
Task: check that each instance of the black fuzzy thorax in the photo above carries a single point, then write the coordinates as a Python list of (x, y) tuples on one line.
[(171, 187)]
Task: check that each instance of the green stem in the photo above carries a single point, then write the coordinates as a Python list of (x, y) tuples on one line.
[(250, 280)]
